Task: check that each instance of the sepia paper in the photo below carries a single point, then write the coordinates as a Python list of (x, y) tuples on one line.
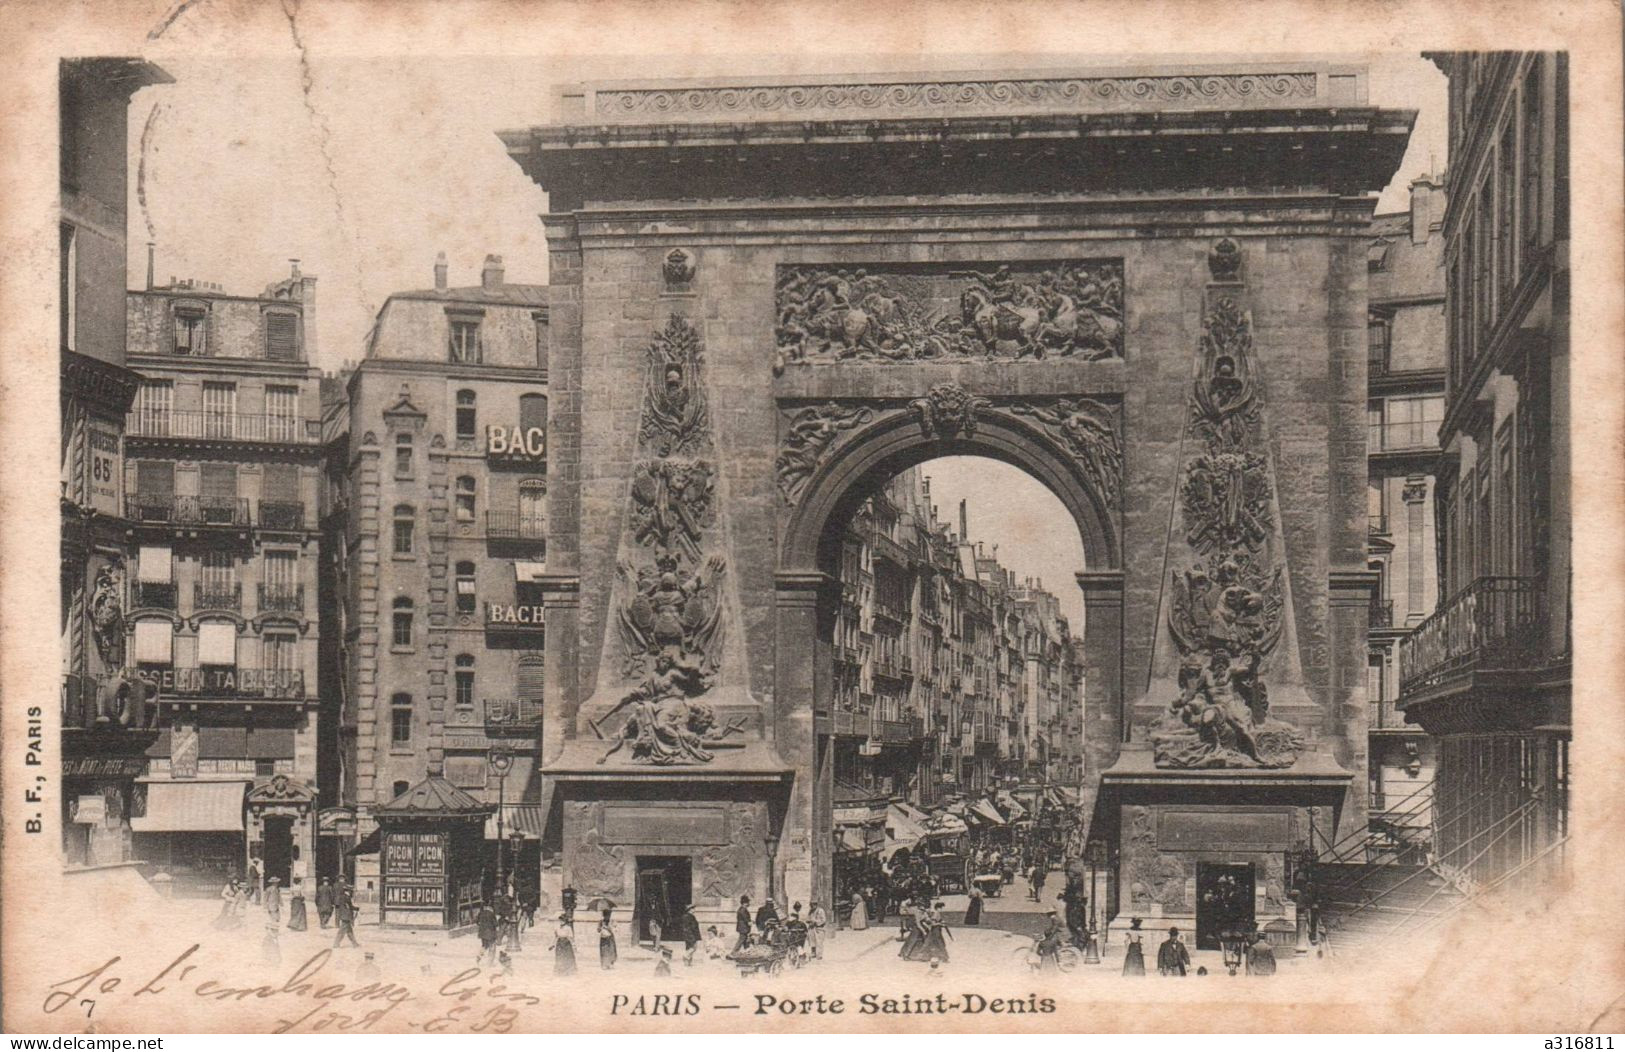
[(361, 87)]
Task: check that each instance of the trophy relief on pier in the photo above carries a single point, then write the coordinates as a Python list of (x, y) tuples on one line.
[(1228, 603), (668, 610), (936, 312)]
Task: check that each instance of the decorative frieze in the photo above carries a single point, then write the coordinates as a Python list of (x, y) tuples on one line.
[(934, 312)]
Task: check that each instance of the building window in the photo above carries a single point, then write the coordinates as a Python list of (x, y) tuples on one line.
[(217, 582), (465, 418), (399, 789), (217, 482), (533, 415), (281, 651), (532, 508), (282, 413), (1529, 206), (400, 726), (68, 282), (540, 317), (404, 525), (465, 588), (154, 642), (217, 644), (465, 341), (282, 336), (1377, 331), (1506, 238), (403, 456), (153, 402), (401, 624), (191, 332), (219, 409), (463, 680), (281, 581), (464, 498)]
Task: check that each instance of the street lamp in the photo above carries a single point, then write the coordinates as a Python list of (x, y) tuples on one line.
[(501, 761)]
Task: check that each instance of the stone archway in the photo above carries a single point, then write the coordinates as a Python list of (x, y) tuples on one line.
[(835, 453)]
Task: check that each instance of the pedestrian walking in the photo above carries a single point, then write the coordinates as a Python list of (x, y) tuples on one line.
[(297, 919), (937, 935), (1049, 944), (253, 880), (973, 909), (273, 899), (228, 905), (860, 914), (564, 946), (1172, 956), (1134, 956), (529, 900), (324, 900), (688, 930), (488, 928), (1035, 881), (742, 923), (608, 953), (1260, 956), (817, 923), (344, 910)]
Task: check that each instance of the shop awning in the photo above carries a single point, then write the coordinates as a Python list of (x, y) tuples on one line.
[(1012, 806), (947, 824), (369, 844), (525, 819), (850, 839), (192, 807), (987, 811), (902, 830)]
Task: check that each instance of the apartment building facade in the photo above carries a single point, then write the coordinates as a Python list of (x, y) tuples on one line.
[(222, 475), (436, 515)]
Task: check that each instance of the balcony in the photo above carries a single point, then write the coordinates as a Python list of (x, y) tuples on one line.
[(1386, 716), (908, 667), (282, 515), (147, 595), (282, 599), (218, 597), (1382, 613), (516, 527), (886, 548), (224, 682), (899, 732), (513, 716), (1494, 624), (187, 511), (893, 612), (886, 668), (223, 427)]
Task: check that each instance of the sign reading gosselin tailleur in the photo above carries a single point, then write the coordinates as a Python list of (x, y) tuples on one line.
[(529, 615), (518, 443)]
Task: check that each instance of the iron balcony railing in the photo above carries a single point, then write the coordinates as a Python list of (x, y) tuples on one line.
[(892, 611), (210, 681), (887, 548), (217, 596), (281, 599), (1493, 623), (232, 427), (898, 731), (1382, 613), (282, 515), (513, 715), (887, 668), (188, 511), (514, 526), (148, 595)]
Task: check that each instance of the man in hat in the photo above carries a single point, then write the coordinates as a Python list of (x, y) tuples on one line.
[(688, 929), (1172, 956), (273, 899), (344, 910), (1260, 955), (742, 923), (1049, 944), (324, 901), (817, 922)]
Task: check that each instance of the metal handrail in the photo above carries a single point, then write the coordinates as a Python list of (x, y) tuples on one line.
[(1473, 892), (1364, 834), (1527, 864)]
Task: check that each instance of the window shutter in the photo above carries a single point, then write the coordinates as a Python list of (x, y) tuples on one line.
[(281, 483), (530, 680), (218, 479), (281, 337), (155, 478), (217, 643), (153, 566), (154, 642), (532, 413)]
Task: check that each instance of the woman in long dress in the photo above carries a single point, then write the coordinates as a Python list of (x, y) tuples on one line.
[(564, 947), (973, 911), (296, 906), (607, 951), (935, 947), (860, 914), (913, 936), (228, 905), (1134, 956)]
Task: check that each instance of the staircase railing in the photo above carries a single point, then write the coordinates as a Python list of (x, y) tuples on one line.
[(1507, 823), (1528, 865), (1409, 806)]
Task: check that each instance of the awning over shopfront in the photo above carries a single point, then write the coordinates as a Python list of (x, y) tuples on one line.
[(903, 828), (947, 824), (524, 819), (1012, 806), (988, 812), (192, 807)]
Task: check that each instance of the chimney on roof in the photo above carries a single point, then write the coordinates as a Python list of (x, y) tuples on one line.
[(1427, 207), (151, 257), (964, 518), (293, 268), (491, 275), (440, 271)]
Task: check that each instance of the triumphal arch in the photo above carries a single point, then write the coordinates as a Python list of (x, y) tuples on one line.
[(1145, 287)]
